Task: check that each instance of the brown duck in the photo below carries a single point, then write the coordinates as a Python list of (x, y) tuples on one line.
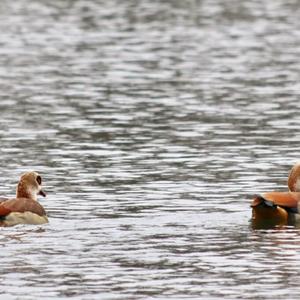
[(24, 209)]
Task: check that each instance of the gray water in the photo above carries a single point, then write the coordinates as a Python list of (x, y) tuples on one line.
[(152, 123)]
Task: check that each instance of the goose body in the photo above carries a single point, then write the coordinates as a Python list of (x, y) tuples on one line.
[(279, 208), (24, 208)]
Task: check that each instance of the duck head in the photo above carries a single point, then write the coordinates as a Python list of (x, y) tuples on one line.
[(294, 178), (30, 186)]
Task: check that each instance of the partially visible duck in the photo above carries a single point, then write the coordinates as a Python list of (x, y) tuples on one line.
[(24, 209), (279, 208)]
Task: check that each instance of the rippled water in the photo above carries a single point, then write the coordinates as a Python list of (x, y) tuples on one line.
[(153, 123)]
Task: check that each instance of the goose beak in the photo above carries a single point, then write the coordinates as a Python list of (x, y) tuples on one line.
[(42, 193)]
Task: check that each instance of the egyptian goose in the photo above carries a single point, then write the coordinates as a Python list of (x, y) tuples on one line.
[(279, 208), (24, 209)]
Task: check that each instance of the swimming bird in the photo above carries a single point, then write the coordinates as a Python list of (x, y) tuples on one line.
[(279, 208), (24, 209)]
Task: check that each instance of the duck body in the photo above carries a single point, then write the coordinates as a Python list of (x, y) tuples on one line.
[(279, 208), (24, 208)]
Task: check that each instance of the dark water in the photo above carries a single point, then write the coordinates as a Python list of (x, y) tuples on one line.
[(153, 123)]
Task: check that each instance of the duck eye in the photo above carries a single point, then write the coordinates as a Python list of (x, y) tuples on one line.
[(39, 180)]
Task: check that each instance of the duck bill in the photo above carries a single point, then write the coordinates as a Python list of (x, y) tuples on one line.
[(42, 193)]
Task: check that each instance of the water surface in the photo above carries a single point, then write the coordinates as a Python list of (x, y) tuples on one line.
[(153, 123)]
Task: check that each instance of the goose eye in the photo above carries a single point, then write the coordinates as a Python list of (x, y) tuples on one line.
[(39, 180)]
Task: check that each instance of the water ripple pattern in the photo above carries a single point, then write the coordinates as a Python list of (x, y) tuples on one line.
[(153, 123)]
